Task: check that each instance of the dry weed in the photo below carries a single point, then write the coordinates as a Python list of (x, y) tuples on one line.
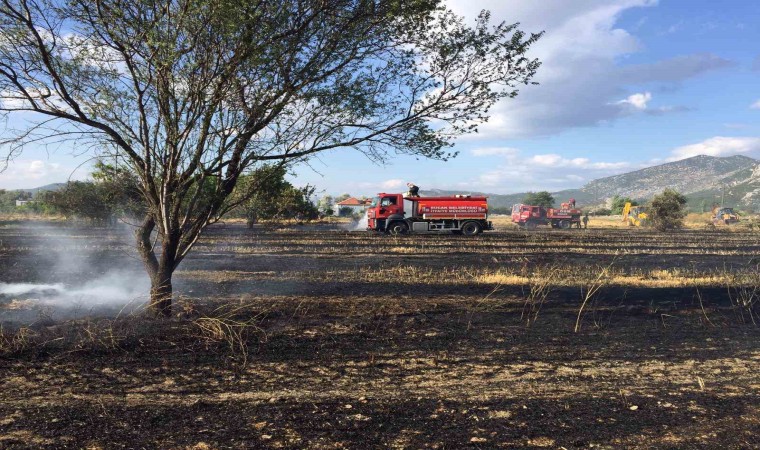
[(232, 327), (541, 285), (602, 279), (744, 292), (15, 341)]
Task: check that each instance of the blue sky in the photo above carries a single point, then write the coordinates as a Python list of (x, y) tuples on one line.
[(624, 84)]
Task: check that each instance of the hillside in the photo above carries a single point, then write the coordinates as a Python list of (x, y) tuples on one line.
[(703, 179), (707, 174), (45, 188)]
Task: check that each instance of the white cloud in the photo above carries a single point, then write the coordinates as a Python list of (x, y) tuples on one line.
[(755, 105), (27, 174), (581, 77), (551, 171), (556, 161), (495, 151), (637, 101), (718, 146), (392, 184)]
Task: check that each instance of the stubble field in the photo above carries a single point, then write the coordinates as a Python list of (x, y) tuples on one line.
[(314, 337)]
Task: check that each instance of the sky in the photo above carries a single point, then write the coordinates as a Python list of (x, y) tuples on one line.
[(624, 84)]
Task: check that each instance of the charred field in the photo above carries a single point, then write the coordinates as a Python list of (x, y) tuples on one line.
[(314, 337)]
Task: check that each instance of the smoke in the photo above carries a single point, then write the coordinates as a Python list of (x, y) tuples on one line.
[(28, 288), (113, 289), (69, 271), (358, 225)]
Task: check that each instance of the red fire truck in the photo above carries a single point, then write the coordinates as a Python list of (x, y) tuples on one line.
[(459, 214), (530, 217)]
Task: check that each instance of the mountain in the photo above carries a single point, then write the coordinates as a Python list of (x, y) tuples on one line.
[(699, 173), (733, 180), (47, 187)]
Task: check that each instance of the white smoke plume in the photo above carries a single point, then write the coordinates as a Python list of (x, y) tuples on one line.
[(358, 225), (73, 272), (112, 289)]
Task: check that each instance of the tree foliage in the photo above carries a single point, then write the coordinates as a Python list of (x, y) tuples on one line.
[(346, 211), (81, 199), (326, 205), (668, 210), (266, 195), (113, 193), (542, 198), (8, 199), (618, 204), (342, 197), (193, 94), (295, 203)]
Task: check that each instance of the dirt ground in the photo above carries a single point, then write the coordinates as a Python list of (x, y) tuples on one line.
[(314, 337)]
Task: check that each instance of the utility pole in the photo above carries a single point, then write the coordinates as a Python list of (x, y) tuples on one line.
[(723, 197)]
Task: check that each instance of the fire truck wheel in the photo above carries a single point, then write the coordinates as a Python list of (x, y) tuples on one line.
[(398, 227), (531, 225), (470, 228), (564, 224)]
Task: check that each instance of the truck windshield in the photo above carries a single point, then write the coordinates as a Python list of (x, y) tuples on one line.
[(375, 202), (387, 201)]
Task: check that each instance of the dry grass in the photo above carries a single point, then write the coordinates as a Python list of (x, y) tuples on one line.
[(565, 276), (13, 217), (414, 340)]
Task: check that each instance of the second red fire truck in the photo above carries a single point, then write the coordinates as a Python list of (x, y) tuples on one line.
[(530, 217)]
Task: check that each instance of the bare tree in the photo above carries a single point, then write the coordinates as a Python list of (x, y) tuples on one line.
[(194, 93)]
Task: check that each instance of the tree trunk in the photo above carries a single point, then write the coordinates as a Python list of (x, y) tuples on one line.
[(160, 272), (252, 218), (161, 293)]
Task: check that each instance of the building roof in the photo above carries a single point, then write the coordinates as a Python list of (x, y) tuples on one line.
[(353, 201)]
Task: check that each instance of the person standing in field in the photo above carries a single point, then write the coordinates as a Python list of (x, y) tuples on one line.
[(585, 221)]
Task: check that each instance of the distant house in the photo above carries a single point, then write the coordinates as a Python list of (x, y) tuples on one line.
[(23, 202), (358, 206)]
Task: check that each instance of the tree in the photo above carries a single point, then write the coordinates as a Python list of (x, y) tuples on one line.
[(341, 198), (114, 192), (668, 210), (295, 203), (119, 188), (83, 199), (542, 198), (193, 94), (345, 211), (326, 205), (266, 195), (8, 200), (258, 192), (618, 204)]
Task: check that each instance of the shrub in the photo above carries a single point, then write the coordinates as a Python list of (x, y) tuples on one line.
[(618, 203), (542, 198), (668, 210)]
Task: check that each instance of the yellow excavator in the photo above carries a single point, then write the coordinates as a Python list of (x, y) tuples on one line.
[(634, 216), (724, 215)]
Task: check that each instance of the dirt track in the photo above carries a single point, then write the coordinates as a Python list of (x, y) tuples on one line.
[(412, 342)]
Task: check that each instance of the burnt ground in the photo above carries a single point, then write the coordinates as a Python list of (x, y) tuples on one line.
[(317, 338)]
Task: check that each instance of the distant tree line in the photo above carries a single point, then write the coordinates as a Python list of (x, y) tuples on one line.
[(113, 193)]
